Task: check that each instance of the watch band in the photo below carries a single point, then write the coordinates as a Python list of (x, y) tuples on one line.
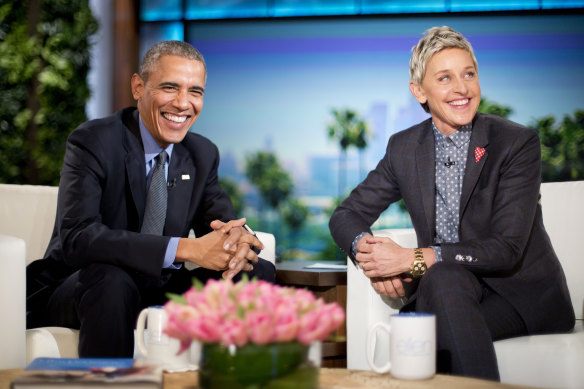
[(418, 267)]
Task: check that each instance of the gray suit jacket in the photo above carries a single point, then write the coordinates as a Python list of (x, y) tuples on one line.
[(501, 227)]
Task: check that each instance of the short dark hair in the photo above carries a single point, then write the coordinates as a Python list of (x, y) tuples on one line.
[(177, 48)]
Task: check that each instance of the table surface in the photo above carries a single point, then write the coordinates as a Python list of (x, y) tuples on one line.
[(296, 273), (330, 379)]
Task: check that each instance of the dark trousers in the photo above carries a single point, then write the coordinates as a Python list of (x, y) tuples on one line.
[(469, 317), (103, 301)]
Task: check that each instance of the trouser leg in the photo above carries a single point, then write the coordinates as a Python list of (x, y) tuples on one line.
[(103, 302), (464, 339)]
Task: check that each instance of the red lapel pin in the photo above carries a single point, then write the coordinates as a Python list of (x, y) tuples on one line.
[(479, 152)]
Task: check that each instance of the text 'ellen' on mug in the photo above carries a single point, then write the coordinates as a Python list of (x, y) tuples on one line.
[(412, 346)]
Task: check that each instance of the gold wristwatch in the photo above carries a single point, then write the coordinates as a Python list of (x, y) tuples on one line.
[(418, 268)]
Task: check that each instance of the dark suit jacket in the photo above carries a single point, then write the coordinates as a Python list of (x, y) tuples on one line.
[(102, 197), (501, 226)]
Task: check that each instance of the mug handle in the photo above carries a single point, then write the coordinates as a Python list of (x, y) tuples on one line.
[(371, 348), (140, 326)]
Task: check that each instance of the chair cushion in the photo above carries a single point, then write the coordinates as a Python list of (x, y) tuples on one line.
[(530, 360)]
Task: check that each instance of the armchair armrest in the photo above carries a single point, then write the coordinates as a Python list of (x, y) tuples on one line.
[(269, 242), (365, 307), (13, 302)]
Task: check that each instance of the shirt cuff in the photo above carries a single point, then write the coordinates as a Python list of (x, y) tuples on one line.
[(171, 254), (355, 241), (437, 253)]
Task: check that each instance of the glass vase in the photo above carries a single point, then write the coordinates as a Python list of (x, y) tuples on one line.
[(274, 366)]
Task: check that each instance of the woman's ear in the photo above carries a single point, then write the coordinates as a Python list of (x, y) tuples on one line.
[(418, 93)]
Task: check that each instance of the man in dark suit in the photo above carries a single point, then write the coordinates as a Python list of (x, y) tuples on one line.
[(104, 263), (485, 266)]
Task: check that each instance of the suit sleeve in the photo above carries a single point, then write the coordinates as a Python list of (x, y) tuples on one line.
[(84, 238), (366, 202)]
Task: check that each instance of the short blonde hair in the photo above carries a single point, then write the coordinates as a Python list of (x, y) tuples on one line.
[(435, 40)]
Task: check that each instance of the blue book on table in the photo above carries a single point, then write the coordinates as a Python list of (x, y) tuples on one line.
[(80, 373), (79, 363)]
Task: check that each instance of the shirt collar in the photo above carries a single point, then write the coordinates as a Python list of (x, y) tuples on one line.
[(459, 138), (151, 148)]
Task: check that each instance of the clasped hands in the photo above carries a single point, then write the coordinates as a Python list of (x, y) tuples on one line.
[(228, 247), (385, 263)]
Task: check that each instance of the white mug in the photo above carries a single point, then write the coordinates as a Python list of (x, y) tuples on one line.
[(412, 346), (155, 345)]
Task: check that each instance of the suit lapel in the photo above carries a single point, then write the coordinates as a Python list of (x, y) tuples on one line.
[(425, 165), (181, 178), (134, 162), (479, 138)]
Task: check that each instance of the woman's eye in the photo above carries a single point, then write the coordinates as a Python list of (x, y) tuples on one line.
[(470, 75), (444, 78)]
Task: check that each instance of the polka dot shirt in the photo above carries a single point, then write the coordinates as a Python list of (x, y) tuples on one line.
[(451, 155)]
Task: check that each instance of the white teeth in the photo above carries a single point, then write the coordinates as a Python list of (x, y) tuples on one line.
[(174, 118), (459, 102)]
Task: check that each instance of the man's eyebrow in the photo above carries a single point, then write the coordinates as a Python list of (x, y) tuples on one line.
[(176, 85), (168, 83), (199, 88)]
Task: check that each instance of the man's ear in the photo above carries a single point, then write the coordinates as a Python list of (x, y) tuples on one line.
[(137, 86), (418, 92)]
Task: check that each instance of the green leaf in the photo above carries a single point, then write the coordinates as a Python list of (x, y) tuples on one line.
[(197, 284), (177, 298)]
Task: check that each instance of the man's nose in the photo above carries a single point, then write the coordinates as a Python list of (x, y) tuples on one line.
[(181, 100)]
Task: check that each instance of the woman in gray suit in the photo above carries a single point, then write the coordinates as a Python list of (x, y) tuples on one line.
[(485, 265)]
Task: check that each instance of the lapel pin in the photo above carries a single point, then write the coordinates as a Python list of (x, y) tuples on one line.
[(479, 152), (185, 177)]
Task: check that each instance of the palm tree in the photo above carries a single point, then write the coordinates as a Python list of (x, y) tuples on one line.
[(349, 130)]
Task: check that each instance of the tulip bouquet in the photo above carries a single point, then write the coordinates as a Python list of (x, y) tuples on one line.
[(249, 312)]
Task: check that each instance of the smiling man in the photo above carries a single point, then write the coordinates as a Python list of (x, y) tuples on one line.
[(485, 265), (133, 185)]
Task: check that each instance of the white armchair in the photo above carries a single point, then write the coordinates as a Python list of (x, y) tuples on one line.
[(12, 302), (27, 215), (547, 361)]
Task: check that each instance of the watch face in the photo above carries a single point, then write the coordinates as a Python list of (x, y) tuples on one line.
[(418, 268)]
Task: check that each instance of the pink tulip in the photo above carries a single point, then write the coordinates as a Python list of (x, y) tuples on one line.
[(205, 328), (256, 311), (286, 322), (259, 326), (233, 331), (317, 324)]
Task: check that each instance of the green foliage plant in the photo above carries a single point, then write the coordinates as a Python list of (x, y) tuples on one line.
[(274, 183), (235, 195), (562, 147), (562, 144), (44, 62), (487, 106)]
